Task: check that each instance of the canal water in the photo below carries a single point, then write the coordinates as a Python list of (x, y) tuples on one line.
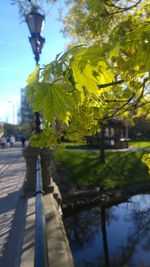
[(118, 236)]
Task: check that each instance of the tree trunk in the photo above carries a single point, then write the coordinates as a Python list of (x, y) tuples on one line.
[(102, 144)]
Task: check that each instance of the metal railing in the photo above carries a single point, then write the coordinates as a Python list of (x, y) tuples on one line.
[(41, 251)]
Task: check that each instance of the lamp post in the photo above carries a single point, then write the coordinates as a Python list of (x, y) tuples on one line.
[(35, 22), (13, 106)]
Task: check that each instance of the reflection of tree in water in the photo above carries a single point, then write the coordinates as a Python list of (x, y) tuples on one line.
[(82, 226), (81, 229), (141, 221), (139, 234), (104, 238)]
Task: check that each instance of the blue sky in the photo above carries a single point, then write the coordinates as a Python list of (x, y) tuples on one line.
[(16, 57)]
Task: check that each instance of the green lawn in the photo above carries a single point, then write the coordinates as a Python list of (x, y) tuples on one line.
[(74, 145), (121, 168), (140, 144)]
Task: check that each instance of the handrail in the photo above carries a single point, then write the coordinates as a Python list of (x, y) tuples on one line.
[(41, 251)]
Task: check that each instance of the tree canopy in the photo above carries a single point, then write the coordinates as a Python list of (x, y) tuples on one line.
[(106, 72), (94, 20)]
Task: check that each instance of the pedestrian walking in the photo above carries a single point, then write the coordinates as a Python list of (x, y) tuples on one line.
[(3, 142), (12, 140), (23, 140), (8, 141)]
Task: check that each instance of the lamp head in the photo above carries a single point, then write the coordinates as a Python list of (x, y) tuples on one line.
[(35, 21)]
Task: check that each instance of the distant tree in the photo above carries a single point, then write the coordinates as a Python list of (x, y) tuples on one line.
[(140, 130), (24, 6), (92, 20)]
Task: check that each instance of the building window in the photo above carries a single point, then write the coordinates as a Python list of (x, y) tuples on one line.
[(112, 132), (107, 132)]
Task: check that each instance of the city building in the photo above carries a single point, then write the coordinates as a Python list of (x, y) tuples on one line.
[(1, 128), (26, 113)]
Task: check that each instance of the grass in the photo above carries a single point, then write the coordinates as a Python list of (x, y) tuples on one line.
[(121, 168), (141, 144), (74, 145)]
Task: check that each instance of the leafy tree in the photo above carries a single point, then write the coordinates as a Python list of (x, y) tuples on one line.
[(91, 21), (84, 89), (107, 76), (116, 22)]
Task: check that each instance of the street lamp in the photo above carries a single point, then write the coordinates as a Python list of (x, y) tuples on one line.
[(13, 106), (37, 44), (35, 22)]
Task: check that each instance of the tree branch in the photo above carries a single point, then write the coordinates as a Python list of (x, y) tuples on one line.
[(110, 84), (120, 108), (121, 9), (141, 95), (124, 8)]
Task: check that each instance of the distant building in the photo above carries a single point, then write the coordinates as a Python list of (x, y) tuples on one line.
[(7, 129), (114, 136), (1, 128), (26, 113)]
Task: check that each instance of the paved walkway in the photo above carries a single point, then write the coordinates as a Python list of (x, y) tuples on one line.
[(12, 206), (17, 218)]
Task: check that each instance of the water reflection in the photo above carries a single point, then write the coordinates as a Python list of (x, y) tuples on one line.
[(114, 237)]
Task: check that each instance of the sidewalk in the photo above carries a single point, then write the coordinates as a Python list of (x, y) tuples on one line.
[(12, 207)]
